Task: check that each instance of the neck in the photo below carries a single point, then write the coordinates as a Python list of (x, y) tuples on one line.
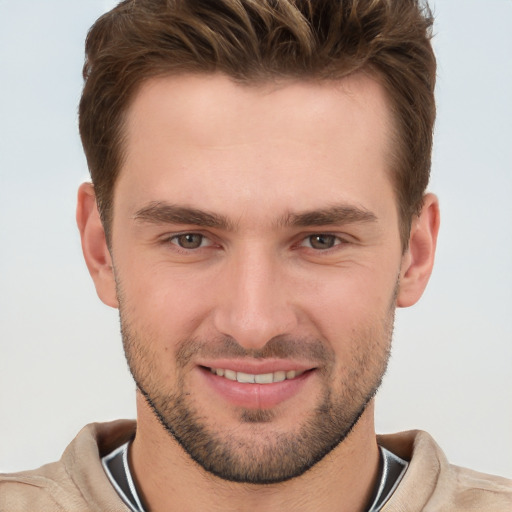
[(168, 479)]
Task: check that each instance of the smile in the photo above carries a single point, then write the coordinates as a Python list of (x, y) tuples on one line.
[(262, 378)]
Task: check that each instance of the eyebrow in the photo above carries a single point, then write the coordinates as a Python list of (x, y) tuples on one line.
[(159, 212), (338, 214), (165, 213)]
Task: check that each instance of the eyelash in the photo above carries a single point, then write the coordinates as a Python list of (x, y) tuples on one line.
[(336, 241), (171, 239), (334, 238)]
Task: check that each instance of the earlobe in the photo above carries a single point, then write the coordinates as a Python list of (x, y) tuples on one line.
[(94, 245), (418, 260)]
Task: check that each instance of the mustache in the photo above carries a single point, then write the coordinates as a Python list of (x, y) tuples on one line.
[(281, 347)]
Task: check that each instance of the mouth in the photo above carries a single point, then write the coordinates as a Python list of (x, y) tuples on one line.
[(256, 385), (258, 378)]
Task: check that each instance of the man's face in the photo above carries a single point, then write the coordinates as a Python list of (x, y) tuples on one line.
[(256, 238)]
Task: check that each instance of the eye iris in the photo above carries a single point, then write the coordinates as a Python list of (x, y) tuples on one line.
[(190, 241), (322, 241)]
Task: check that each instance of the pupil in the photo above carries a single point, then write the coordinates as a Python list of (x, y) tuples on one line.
[(322, 241), (190, 241)]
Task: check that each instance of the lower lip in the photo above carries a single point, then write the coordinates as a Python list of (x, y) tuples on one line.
[(255, 396)]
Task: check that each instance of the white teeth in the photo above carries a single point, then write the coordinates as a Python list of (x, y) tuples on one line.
[(245, 377), (262, 378), (279, 376), (230, 374)]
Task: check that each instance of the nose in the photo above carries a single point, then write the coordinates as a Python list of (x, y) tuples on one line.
[(255, 300)]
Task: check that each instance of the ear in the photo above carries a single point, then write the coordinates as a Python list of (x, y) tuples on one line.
[(94, 245), (418, 260)]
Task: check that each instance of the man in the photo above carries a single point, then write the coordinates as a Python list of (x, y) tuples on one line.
[(257, 213)]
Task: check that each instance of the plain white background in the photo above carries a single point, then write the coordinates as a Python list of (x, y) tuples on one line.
[(61, 362)]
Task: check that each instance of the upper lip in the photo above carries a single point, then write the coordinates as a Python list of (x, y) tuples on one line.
[(256, 367)]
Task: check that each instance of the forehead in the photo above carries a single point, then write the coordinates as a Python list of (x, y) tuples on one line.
[(207, 135), (198, 104)]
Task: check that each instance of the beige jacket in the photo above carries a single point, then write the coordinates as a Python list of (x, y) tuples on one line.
[(78, 483)]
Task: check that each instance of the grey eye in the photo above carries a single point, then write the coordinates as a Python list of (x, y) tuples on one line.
[(189, 240), (322, 241)]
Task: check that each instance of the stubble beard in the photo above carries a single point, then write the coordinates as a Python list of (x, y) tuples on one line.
[(265, 455)]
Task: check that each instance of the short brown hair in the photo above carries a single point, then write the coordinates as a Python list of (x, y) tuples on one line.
[(258, 40)]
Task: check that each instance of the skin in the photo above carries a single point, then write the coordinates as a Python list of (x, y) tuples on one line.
[(274, 165)]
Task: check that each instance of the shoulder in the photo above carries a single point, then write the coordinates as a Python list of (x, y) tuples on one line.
[(76, 482), (46, 488), (431, 483), (471, 490)]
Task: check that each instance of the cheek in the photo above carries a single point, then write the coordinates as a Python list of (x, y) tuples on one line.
[(167, 304), (357, 323), (347, 298), (174, 303)]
